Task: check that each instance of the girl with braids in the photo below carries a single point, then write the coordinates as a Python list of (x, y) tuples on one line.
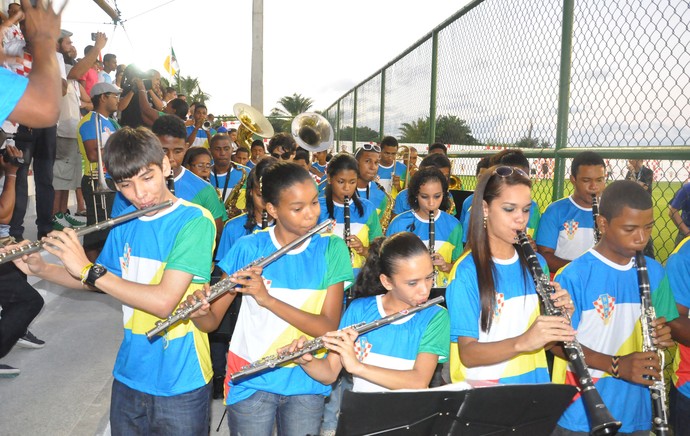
[(428, 192), (252, 220), (497, 332), (300, 293), (342, 174), (398, 274)]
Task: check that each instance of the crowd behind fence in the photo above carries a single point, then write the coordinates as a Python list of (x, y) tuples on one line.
[(551, 77)]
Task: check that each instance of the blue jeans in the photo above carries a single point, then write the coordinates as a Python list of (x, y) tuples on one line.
[(680, 412), (135, 413), (332, 410), (296, 415)]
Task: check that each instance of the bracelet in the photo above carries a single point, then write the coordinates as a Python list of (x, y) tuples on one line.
[(11, 175), (614, 366), (85, 272)]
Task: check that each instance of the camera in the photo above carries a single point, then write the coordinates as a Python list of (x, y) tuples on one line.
[(148, 84), (16, 161), (93, 36)]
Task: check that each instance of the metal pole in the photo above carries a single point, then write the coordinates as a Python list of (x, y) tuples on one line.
[(337, 123), (563, 97), (257, 79), (432, 96), (383, 104), (354, 122)]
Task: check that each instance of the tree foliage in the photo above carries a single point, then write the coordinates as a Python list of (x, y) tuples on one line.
[(364, 133), (190, 87), (449, 130), (527, 142), (289, 107)]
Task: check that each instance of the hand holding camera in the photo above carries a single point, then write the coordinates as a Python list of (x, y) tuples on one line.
[(12, 159)]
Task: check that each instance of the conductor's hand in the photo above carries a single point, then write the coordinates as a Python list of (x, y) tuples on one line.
[(251, 283), (661, 336), (634, 366), (544, 329), (343, 343), (65, 246), (294, 346), (29, 264), (198, 295)]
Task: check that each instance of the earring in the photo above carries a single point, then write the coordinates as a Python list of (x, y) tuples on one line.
[(484, 220)]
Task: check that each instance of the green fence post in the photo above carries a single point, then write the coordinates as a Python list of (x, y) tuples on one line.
[(432, 96), (563, 97), (382, 111), (354, 123)]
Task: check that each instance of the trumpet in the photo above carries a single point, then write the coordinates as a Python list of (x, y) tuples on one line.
[(36, 246), (224, 286), (316, 344)]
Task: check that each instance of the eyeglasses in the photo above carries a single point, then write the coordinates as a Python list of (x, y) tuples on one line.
[(368, 147), (283, 156), (506, 171), (201, 166)]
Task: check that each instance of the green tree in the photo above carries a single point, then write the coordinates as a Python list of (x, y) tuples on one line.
[(527, 142), (363, 134), (190, 87), (449, 130), (290, 106)]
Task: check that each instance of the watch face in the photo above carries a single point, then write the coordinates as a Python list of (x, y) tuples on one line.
[(98, 269)]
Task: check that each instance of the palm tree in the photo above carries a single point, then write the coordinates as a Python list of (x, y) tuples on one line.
[(292, 105), (190, 87)]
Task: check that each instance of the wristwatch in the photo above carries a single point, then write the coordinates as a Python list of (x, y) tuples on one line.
[(95, 272)]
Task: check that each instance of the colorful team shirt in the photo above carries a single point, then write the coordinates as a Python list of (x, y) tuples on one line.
[(448, 236), (607, 319), (179, 238), (678, 275), (681, 202), (187, 187), (13, 87), (86, 131), (532, 222), (301, 279), (250, 164), (376, 195), (236, 175), (402, 203), (517, 306), (386, 174), (202, 137), (320, 167), (366, 226), (234, 230), (567, 228), (396, 345)]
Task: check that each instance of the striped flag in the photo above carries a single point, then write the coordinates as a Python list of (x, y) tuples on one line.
[(170, 64)]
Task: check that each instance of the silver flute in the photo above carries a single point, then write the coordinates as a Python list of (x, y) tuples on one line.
[(317, 344), (226, 285), (657, 391), (35, 246)]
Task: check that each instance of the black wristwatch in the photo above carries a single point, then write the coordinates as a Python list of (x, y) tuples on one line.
[(95, 272)]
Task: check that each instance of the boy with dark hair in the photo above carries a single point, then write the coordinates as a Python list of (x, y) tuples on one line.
[(197, 134), (241, 156), (171, 133), (282, 146), (566, 229), (438, 147), (150, 264), (604, 286), (257, 151), (391, 172), (225, 174), (368, 157), (302, 159), (320, 162), (439, 161)]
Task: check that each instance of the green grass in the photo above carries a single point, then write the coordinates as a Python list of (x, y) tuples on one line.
[(664, 233)]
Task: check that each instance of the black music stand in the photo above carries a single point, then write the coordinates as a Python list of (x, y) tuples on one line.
[(514, 410)]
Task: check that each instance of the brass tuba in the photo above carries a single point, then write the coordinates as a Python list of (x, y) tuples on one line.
[(312, 132), (252, 122)]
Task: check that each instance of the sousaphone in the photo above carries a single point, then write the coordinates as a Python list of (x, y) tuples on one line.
[(252, 122), (312, 132)]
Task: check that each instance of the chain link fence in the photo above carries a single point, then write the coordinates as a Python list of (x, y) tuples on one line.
[(551, 77)]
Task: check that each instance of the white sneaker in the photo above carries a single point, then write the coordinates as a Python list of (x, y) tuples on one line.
[(7, 371)]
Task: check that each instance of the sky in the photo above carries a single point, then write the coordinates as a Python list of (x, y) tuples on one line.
[(319, 49)]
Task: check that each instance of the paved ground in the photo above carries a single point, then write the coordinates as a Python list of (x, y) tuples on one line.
[(64, 388)]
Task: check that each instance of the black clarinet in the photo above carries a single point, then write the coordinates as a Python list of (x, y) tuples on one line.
[(264, 219), (595, 215), (432, 234), (600, 420), (657, 391), (170, 182), (346, 237)]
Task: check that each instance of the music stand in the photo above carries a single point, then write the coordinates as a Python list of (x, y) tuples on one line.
[(498, 410)]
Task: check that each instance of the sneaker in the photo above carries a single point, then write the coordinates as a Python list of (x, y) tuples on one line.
[(59, 222), (81, 213), (7, 371), (30, 341), (74, 221)]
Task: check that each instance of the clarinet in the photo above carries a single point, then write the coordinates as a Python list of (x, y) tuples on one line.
[(346, 237), (264, 219), (170, 182), (432, 234), (317, 344), (224, 286), (35, 246), (595, 215), (657, 391), (600, 420)]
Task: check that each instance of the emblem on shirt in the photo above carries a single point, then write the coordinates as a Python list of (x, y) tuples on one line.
[(362, 348), (500, 300), (570, 228), (605, 306), (124, 260), (267, 283)]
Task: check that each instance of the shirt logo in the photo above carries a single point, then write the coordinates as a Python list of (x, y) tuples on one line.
[(124, 260), (605, 305), (500, 300), (362, 348), (570, 228), (267, 283)]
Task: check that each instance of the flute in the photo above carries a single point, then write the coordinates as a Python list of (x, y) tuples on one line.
[(226, 285), (35, 246), (657, 391), (317, 344)]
